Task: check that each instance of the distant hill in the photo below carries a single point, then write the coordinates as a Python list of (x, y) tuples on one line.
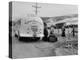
[(58, 18)]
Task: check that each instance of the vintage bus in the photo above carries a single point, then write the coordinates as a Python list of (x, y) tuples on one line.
[(31, 28)]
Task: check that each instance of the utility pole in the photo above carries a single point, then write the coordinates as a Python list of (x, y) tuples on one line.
[(36, 8)]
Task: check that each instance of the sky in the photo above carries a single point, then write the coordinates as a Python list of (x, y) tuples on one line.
[(21, 9)]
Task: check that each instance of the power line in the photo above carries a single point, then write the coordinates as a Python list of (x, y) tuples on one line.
[(36, 8)]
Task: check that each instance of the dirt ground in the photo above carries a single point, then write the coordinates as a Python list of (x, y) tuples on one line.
[(21, 49)]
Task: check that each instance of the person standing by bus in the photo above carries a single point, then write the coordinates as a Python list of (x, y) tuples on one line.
[(63, 32), (45, 32), (73, 32)]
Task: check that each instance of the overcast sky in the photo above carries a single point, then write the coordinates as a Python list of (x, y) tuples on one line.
[(21, 9)]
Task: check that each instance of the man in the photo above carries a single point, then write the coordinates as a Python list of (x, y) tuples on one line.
[(73, 31), (45, 32), (63, 32)]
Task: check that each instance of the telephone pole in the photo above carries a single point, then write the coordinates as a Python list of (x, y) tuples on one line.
[(36, 8)]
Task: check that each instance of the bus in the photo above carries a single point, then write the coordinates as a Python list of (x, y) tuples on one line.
[(31, 28)]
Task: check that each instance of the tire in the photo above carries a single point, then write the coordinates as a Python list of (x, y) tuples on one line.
[(37, 39), (45, 38), (53, 39)]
